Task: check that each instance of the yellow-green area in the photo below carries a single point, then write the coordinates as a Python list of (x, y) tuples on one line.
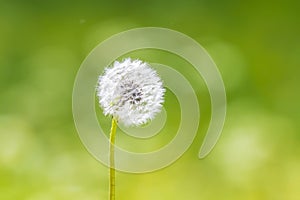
[(256, 46)]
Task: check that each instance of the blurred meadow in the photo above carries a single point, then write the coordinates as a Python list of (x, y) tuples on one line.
[(256, 46)]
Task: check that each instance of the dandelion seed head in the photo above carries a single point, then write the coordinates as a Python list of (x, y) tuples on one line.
[(131, 91)]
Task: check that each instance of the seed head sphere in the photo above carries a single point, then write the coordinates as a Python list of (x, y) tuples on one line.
[(130, 91)]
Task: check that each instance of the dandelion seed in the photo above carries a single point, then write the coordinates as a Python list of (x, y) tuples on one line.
[(131, 92)]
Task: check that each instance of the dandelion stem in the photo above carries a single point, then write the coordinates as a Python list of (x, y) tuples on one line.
[(112, 176)]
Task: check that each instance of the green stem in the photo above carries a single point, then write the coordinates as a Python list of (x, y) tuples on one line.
[(112, 172)]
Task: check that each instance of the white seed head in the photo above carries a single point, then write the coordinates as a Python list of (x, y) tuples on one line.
[(131, 91)]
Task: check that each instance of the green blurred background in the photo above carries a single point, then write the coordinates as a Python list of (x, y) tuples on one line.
[(256, 46)]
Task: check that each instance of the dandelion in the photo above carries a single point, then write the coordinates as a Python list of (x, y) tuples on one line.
[(132, 93)]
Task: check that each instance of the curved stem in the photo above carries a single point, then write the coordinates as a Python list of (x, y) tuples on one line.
[(112, 176)]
